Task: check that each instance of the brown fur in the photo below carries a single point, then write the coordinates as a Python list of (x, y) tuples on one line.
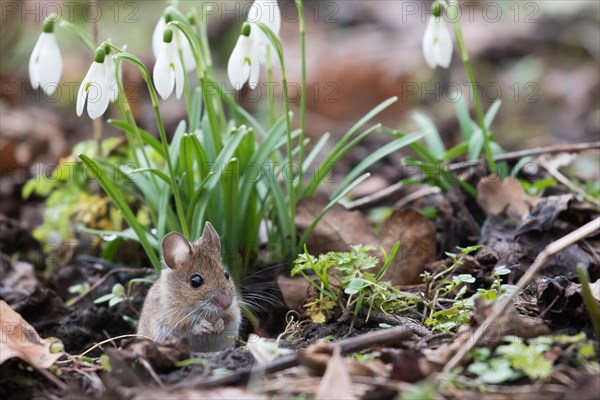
[(174, 308)]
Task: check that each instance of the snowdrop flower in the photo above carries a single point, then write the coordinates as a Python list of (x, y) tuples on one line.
[(111, 75), (244, 62), (94, 88), (182, 44), (267, 12), (45, 64), (437, 43), (168, 72)]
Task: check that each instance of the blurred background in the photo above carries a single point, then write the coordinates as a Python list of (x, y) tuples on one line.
[(541, 58)]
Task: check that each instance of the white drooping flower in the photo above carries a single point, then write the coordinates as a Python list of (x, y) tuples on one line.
[(244, 62), (168, 71), (181, 41), (437, 43), (251, 48), (111, 77), (267, 12), (45, 64), (94, 89)]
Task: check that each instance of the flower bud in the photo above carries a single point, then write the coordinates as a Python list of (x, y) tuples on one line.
[(107, 48), (99, 55), (436, 9), (245, 29), (168, 35), (48, 25), (191, 18)]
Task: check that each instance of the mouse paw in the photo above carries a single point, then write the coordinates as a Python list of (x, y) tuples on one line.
[(204, 327)]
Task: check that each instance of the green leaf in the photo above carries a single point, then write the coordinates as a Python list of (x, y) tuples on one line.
[(333, 202), (464, 120), (112, 192), (194, 117), (340, 148), (378, 155), (145, 135), (199, 201), (432, 136)]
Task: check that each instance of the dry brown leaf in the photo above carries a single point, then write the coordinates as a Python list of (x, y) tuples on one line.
[(19, 339), (417, 238), (294, 291), (337, 231), (496, 197), (336, 383)]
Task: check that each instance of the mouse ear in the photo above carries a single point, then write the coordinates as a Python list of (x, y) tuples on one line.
[(176, 249), (210, 237)]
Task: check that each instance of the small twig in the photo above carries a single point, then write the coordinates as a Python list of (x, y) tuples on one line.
[(153, 374), (371, 339), (426, 191), (71, 357), (533, 270), (552, 170), (515, 155), (376, 197), (109, 274), (389, 191)]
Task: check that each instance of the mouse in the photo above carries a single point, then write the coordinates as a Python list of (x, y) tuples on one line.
[(195, 297)]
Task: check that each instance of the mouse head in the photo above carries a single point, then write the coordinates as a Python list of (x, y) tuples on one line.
[(197, 277)]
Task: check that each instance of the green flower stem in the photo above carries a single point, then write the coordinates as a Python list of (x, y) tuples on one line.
[(289, 145), (84, 36), (291, 193), (207, 58), (201, 70), (163, 137), (479, 114), (270, 89), (127, 114), (300, 8)]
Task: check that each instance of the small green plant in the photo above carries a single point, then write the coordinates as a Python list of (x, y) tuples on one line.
[(512, 361), (116, 296), (343, 282), (452, 292), (71, 202)]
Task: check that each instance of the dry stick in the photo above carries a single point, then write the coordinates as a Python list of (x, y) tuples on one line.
[(533, 270), (552, 170), (393, 189), (514, 155), (373, 338)]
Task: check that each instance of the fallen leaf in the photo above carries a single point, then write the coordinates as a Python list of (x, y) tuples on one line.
[(417, 238), (507, 196), (162, 356), (543, 216), (338, 230), (20, 340), (336, 383), (294, 291)]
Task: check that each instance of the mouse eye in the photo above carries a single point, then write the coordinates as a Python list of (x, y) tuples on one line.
[(196, 281), (226, 275)]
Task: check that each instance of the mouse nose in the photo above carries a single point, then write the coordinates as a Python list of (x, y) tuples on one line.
[(223, 300)]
